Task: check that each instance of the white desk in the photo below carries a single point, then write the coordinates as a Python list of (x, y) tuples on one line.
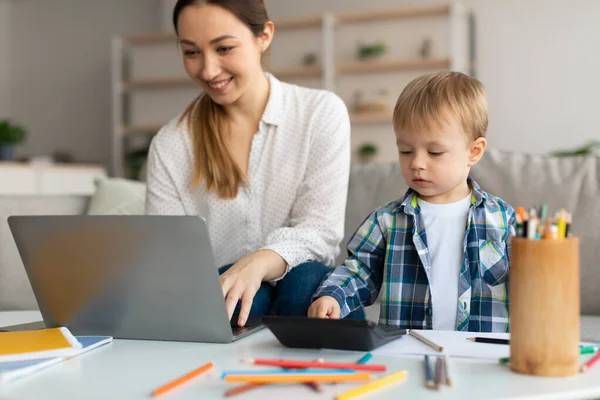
[(129, 369)]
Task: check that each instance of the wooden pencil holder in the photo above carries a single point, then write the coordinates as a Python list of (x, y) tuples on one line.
[(544, 306)]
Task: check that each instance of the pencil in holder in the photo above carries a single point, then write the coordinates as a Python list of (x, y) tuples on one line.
[(544, 306)]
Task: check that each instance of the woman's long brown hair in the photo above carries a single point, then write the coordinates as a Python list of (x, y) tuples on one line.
[(213, 163)]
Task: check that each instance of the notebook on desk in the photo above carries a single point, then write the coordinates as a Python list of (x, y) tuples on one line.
[(37, 344), (10, 371)]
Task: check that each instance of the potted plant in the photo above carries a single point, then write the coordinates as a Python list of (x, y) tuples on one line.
[(10, 135), (584, 150), (367, 152)]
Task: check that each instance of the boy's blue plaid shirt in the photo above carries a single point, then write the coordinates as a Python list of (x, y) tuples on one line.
[(389, 253)]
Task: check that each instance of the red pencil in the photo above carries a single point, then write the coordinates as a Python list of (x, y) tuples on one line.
[(590, 362), (317, 364)]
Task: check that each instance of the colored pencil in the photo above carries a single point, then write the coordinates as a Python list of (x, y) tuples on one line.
[(317, 364), (243, 389), (428, 373), (286, 371), (365, 359), (428, 342), (439, 373), (590, 362), (372, 386), (489, 340), (181, 380), (582, 350), (447, 371), (298, 378)]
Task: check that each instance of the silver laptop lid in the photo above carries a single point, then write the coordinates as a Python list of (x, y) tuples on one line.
[(137, 277)]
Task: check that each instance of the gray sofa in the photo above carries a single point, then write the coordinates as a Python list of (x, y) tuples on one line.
[(520, 179)]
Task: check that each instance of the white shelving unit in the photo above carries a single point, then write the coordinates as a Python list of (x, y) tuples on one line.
[(330, 70)]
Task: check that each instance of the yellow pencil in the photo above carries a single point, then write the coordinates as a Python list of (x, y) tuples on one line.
[(369, 387), (295, 378)]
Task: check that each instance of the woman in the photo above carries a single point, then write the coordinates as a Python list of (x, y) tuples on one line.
[(265, 162)]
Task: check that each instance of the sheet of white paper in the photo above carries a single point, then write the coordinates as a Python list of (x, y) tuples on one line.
[(455, 344)]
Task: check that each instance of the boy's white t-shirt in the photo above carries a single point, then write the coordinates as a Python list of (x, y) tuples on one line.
[(445, 227)]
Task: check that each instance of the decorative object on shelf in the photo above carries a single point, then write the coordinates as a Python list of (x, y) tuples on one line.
[(373, 50), (426, 45), (11, 135), (587, 149), (136, 160), (367, 152), (372, 103), (63, 157), (309, 59)]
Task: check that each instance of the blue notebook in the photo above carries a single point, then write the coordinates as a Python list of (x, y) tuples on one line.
[(13, 370)]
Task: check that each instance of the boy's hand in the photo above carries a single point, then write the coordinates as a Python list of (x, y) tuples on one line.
[(324, 307)]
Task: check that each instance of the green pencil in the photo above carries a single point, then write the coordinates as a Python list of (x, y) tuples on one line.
[(582, 350)]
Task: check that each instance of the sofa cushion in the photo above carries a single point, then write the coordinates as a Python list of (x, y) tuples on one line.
[(570, 182), (117, 196)]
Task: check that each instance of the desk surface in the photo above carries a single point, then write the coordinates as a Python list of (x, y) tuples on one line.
[(128, 369)]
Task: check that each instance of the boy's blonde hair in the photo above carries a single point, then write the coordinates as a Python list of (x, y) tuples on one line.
[(431, 99)]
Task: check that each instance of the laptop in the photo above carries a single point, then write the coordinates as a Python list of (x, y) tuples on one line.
[(129, 277)]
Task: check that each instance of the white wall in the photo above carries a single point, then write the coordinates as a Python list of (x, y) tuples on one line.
[(4, 58), (60, 70), (539, 60)]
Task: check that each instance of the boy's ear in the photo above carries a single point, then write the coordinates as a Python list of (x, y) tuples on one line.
[(476, 150)]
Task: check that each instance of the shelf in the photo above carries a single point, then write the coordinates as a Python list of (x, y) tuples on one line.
[(404, 12), (391, 65), (140, 129), (316, 21), (158, 83), (297, 23), (153, 38), (371, 118), (297, 72)]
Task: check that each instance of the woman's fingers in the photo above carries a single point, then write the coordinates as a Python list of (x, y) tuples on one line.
[(247, 299), (231, 300)]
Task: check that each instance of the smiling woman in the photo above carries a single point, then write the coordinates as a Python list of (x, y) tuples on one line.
[(266, 163)]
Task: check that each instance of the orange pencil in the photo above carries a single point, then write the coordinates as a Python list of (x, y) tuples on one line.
[(297, 378), (182, 380)]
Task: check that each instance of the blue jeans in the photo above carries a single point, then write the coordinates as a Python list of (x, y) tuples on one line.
[(292, 295)]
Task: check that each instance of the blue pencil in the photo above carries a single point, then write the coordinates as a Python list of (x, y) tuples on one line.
[(288, 372), (429, 381), (365, 359)]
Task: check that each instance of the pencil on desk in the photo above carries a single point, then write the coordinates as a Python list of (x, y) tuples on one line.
[(371, 386), (489, 340), (588, 349), (249, 386), (428, 342), (317, 364), (590, 362), (182, 380), (447, 371), (365, 359), (298, 378), (428, 373), (582, 350), (242, 389), (439, 373)]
